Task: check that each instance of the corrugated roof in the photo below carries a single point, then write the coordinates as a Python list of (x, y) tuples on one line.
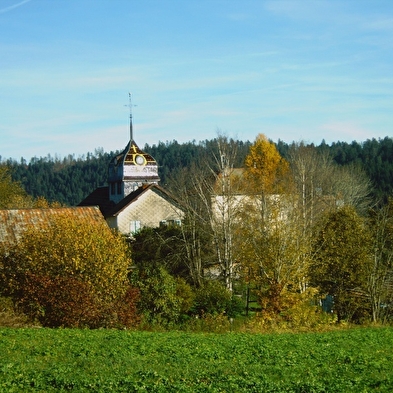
[(14, 221)]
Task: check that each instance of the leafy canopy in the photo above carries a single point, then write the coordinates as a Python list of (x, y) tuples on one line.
[(265, 166), (77, 255)]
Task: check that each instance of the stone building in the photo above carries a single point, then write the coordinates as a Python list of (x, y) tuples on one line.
[(133, 198)]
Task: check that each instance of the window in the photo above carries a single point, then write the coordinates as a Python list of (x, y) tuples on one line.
[(170, 223), (163, 223), (135, 226), (119, 187)]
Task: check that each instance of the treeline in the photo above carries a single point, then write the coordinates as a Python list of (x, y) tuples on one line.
[(70, 179), (374, 156)]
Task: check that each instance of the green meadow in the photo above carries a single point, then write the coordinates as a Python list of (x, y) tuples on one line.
[(63, 360)]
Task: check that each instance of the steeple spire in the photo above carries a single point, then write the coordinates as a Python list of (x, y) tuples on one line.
[(131, 130)]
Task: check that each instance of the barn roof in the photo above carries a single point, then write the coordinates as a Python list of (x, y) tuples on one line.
[(14, 221)]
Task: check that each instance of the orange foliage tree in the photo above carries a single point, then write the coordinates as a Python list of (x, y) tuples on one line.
[(73, 272)]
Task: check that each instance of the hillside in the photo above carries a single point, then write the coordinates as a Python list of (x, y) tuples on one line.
[(70, 179)]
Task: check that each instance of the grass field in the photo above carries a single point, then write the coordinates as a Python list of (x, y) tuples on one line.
[(44, 360)]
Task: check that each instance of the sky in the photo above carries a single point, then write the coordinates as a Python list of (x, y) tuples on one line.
[(294, 70)]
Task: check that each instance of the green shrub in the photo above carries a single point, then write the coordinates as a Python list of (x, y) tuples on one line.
[(213, 298), (164, 299), (9, 317)]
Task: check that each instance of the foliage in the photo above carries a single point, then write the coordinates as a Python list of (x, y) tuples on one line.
[(46, 360), (291, 311), (72, 272), (71, 179), (9, 317), (164, 299), (209, 323), (162, 246), (213, 298), (12, 194), (341, 263), (380, 275), (266, 169)]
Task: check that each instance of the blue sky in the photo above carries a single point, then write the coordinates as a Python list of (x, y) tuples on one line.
[(293, 70)]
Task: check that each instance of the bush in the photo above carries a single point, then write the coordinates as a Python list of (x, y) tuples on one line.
[(9, 317), (126, 309), (71, 273), (59, 301), (293, 311), (213, 298), (70, 302), (164, 299)]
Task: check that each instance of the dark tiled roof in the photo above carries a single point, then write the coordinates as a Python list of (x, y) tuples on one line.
[(132, 197), (14, 221), (99, 197), (137, 193)]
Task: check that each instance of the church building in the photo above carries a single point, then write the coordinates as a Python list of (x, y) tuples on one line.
[(133, 198)]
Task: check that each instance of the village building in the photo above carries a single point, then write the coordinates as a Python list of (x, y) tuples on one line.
[(133, 198)]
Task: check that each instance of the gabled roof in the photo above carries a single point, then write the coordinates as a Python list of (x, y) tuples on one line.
[(133, 196), (14, 221), (100, 198)]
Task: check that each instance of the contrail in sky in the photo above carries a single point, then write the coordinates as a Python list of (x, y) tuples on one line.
[(11, 7)]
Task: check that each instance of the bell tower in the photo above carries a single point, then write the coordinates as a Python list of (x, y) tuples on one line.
[(130, 169)]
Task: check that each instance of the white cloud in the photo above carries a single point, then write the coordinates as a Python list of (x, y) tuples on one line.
[(344, 131), (11, 7)]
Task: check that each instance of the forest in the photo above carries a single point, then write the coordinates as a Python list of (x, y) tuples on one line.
[(70, 179), (294, 235)]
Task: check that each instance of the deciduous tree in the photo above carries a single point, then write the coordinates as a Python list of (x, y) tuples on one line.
[(380, 274), (12, 195), (342, 261), (218, 192), (271, 247), (265, 168), (81, 257)]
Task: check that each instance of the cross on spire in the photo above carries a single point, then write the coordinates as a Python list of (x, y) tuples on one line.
[(130, 106)]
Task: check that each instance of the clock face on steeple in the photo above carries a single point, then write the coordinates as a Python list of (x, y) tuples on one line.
[(139, 159)]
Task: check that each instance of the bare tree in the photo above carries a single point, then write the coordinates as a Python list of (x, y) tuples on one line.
[(209, 194), (195, 228), (380, 279)]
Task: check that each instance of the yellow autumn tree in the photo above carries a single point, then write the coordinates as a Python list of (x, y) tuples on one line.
[(265, 168), (271, 248), (72, 272)]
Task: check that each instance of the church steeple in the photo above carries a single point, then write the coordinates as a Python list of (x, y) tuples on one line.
[(130, 169), (131, 130)]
